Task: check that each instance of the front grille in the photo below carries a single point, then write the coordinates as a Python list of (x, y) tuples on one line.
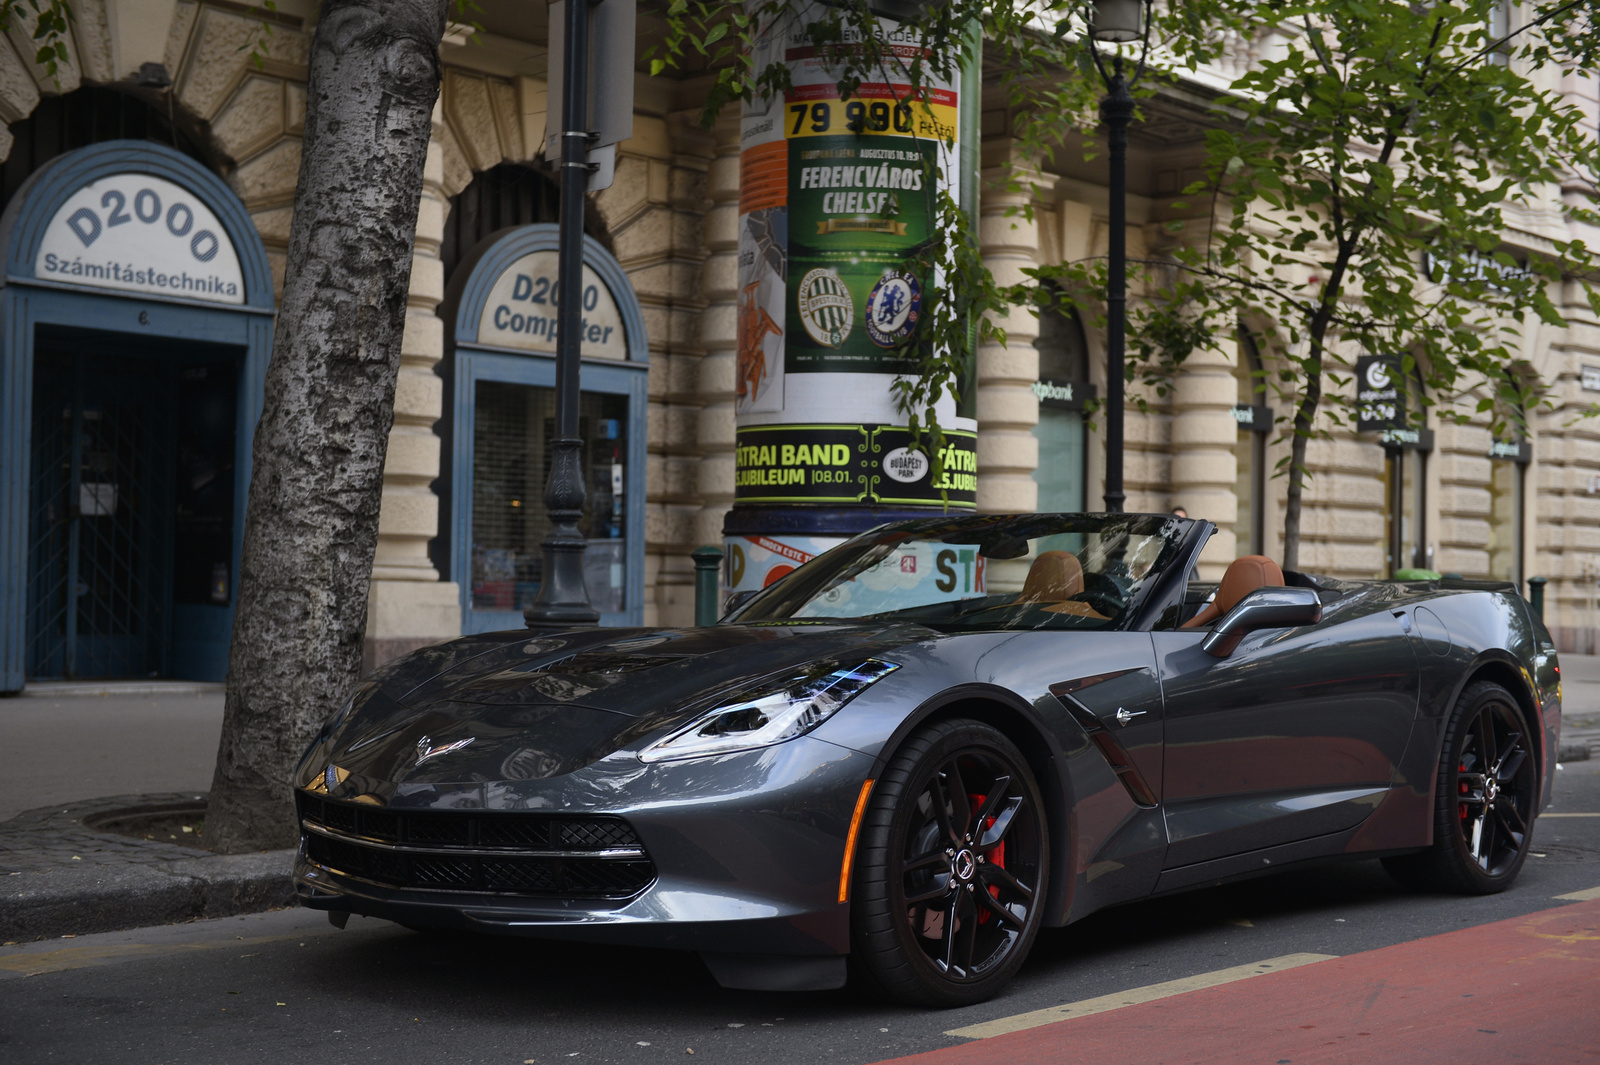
[(500, 852)]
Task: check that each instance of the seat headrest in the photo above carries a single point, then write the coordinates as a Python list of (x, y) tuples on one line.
[(1054, 577), (1244, 576)]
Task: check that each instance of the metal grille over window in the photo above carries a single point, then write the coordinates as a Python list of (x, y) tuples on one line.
[(511, 458)]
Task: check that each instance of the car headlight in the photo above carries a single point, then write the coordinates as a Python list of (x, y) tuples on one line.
[(776, 711)]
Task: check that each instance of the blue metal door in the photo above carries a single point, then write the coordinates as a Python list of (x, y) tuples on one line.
[(99, 555)]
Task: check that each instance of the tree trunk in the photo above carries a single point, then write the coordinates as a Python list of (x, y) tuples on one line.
[(312, 524)]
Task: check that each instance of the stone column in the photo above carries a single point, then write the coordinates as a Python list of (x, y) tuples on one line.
[(1204, 432), (1007, 408), (719, 336), (409, 606), (1461, 462)]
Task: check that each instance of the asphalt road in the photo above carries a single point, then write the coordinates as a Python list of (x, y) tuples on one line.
[(286, 986)]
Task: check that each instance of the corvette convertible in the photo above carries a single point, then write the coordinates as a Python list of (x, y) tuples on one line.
[(913, 752)]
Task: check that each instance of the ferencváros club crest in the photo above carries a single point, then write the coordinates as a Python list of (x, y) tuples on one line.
[(893, 308), (825, 307)]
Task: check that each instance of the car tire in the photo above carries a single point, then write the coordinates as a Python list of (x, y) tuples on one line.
[(1483, 821), (951, 868)]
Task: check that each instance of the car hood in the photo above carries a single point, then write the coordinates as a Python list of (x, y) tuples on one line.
[(526, 706)]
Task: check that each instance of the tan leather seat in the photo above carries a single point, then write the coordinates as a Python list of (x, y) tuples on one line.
[(1054, 577), (1244, 576)]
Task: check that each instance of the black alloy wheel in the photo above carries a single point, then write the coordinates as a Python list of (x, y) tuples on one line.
[(1488, 786), (951, 868)]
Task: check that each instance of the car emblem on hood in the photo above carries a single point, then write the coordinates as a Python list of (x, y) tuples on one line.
[(425, 752)]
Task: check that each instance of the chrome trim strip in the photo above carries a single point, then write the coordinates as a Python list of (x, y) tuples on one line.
[(465, 891), (467, 852)]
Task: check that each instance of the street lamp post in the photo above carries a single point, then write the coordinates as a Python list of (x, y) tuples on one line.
[(1117, 22), (563, 598)]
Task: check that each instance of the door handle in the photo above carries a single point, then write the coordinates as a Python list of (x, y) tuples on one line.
[(1124, 716)]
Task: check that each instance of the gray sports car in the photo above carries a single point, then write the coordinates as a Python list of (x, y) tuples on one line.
[(921, 747)]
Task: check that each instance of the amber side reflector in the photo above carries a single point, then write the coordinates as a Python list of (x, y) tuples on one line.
[(850, 841)]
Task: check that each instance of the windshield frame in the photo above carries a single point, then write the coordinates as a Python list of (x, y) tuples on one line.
[(1145, 605)]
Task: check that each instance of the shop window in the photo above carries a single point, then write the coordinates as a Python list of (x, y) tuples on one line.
[(1405, 472), (1508, 474), (512, 432), (1062, 388), (1250, 450), (1405, 489), (1506, 489)]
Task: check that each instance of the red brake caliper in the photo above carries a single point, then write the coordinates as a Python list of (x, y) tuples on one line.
[(997, 858), (1462, 788)]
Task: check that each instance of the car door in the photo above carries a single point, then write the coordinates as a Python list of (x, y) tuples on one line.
[(1294, 735)]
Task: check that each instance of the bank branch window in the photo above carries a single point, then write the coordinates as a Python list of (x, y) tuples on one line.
[(1062, 388)]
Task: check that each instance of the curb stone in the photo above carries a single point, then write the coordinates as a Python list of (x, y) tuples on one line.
[(58, 877)]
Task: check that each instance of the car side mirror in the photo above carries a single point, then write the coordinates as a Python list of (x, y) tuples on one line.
[(1264, 608), (737, 600)]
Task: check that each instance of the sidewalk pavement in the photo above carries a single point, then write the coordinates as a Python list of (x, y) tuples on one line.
[(70, 754), (151, 745)]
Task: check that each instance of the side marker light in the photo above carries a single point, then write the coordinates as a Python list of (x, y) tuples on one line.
[(850, 841)]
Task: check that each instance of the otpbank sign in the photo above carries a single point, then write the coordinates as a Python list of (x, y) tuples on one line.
[(139, 233)]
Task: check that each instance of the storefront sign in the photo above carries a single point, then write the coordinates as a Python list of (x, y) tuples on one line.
[(1062, 395), (1590, 378), (1255, 418), (521, 310), (1407, 439), (139, 233), (859, 464), (1513, 450), (1379, 404)]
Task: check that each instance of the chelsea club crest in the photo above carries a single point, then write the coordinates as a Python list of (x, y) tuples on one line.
[(893, 308)]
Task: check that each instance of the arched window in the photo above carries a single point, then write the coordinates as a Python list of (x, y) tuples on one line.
[(1062, 388), (499, 198), (92, 115), (1250, 450)]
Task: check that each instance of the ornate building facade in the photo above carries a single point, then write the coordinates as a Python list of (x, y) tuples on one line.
[(113, 568)]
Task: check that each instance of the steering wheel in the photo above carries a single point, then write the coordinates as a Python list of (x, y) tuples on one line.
[(1103, 593)]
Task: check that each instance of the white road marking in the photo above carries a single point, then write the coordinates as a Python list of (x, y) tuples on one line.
[(1581, 896), (1133, 997)]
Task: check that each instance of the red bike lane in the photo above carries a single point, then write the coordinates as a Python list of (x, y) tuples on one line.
[(1524, 990)]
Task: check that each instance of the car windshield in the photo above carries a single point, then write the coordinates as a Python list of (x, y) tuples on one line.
[(1069, 571)]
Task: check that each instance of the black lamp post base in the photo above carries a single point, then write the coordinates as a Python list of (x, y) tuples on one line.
[(563, 599)]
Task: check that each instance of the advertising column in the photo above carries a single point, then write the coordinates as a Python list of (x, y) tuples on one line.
[(838, 235)]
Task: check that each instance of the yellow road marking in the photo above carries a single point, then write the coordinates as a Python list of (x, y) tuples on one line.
[(1581, 896), (1133, 997), (1569, 815), (57, 961)]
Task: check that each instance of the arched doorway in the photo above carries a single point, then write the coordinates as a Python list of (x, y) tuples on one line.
[(137, 305)]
